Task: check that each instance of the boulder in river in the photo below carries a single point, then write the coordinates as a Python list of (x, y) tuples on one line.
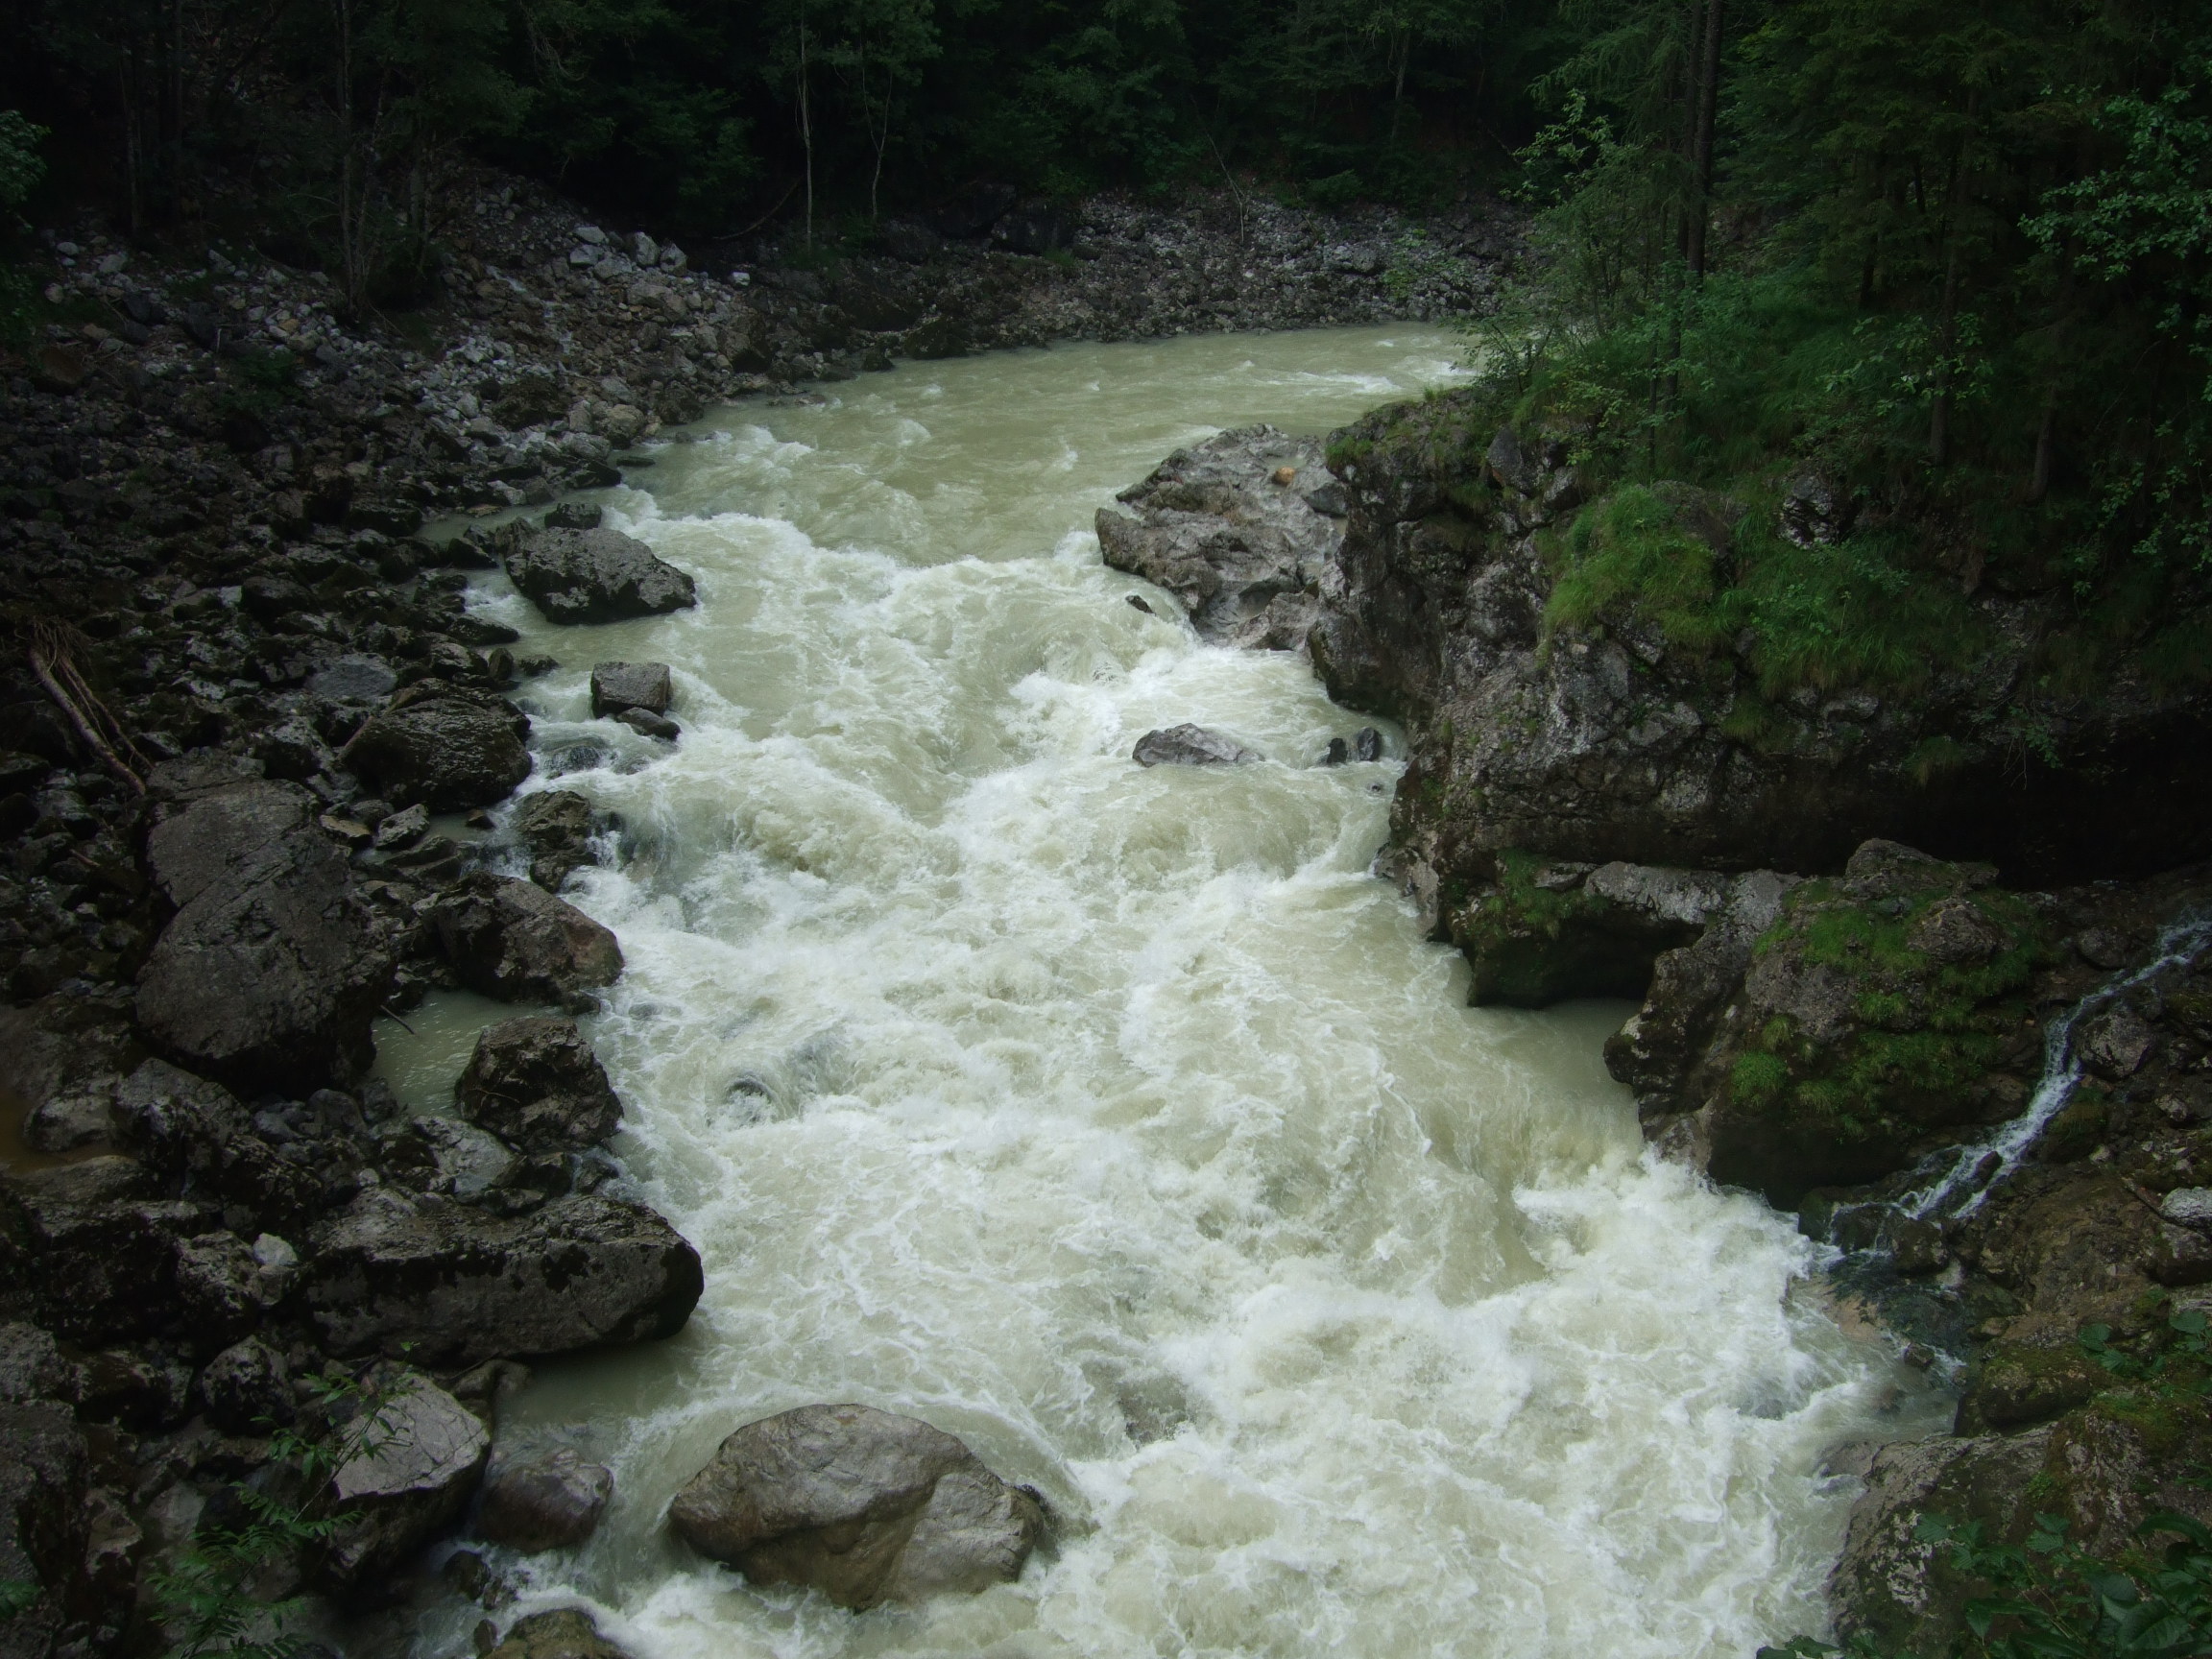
[(1240, 529), (536, 1082), (647, 724), (515, 942), (557, 826), (1189, 745), (599, 575), (271, 969), (451, 1286), (860, 1504), (443, 746), (417, 1456), (547, 1501), (620, 685), (565, 1633)]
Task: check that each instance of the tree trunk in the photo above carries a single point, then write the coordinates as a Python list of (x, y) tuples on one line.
[(1702, 157)]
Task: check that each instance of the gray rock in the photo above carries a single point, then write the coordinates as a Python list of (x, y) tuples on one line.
[(43, 1484), (857, 1504), (444, 1155), (402, 829), (32, 1367), (557, 826), (510, 940), (461, 1285), (447, 748), (270, 970), (417, 1454), (563, 1634), (1227, 528), (2115, 1043), (647, 724), (552, 1501), (245, 1387), (536, 1083), (223, 1291), (620, 685), (353, 680), (72, 1122), (187, 1127), (599, 575), (99, 1180), (1189, 745)]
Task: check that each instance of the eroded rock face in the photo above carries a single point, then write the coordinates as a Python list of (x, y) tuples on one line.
[(599, 575), (1240, 529), (515, 941), (443, 747), (536, 1083), (860, 1504), (461, 1285), (270, 970)]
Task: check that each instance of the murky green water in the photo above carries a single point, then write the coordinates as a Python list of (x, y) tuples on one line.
[(1118, 1121)]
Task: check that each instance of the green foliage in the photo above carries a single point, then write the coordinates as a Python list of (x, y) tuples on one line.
[(2050, 1599), (21, 167), (1632, 550)]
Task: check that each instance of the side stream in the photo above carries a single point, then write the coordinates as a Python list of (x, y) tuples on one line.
[(1118, 1120)]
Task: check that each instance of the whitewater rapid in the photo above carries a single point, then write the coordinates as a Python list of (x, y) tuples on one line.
[(1120, 1121)]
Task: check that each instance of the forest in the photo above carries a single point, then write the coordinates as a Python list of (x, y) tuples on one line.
[(1954, 257)]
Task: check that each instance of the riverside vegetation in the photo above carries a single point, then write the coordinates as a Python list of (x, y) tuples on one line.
[(1801, 626)]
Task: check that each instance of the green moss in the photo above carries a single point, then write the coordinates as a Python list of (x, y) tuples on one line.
[(1630, 551), (1758, 1078), (1934, 758)]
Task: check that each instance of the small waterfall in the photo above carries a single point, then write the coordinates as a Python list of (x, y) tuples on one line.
[(1978, 1165)]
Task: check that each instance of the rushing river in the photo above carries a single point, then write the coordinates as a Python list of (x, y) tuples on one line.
[(1118, 1121)]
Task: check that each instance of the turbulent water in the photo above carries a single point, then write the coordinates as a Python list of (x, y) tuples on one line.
[(1118, 1121)]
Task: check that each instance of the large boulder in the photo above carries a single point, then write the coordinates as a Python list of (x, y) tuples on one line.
[(444, 746), (1239, 528), (271, 969), (557, 826), (620, 685), (597, 575), (550, 1501), (564, 1633), (536, 1082), (99, 1272), (1189, 745), (860, 1504), (451, 1285), (513, 941), (416, 1456), (188, 1128), (62, 1056), (43, 1473)]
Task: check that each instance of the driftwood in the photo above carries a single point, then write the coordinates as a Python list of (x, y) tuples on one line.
[(52, 652)]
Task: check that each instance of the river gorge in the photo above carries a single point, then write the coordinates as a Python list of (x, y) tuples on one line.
[(1118, 1121)]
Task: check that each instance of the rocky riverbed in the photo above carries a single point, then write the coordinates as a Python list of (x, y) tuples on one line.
[(1986, 1084), (244, 681)]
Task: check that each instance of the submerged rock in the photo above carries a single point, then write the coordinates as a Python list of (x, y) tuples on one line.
[(597, 575), (515, 942), (551, 1501), (563, 1634), (860, 1504), (1189, 745), (1233, 527), (443, 747), (272, 970), (536, 1082), (451, 1285), (557, 826)]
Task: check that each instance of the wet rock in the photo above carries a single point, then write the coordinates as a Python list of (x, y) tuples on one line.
[(557, 826), (65, 1053), (453, 1285), (563, 1634), (536, 1083), (595, 575), (857, 1504), (191, 1128), (418, 1453), (515, 942), (647, 724), (402, 829), (270, 970), (99, 1272), (98, 1179), (246, 1388), (1189, 745), (2115, 1043), (550, 1501), (1237, 544), (32, 1367), (441, 746), (443, 1155), (43, 1484), (223, 1289), (620, 685)]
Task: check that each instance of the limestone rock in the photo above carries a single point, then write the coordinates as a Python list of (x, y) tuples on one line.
[(536, 1083), (620, 685), (513, 941), (461, 1285), (270, 970), (599, 575), (443, 747), (1189, 745), (860, 1504), (1240, 545), (418, 1454), (552, 1501)]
